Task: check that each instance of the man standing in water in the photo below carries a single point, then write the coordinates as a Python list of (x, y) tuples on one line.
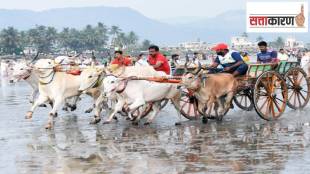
[(266, 56), (157, 60)]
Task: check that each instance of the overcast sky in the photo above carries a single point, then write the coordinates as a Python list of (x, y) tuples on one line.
[(157, 9)]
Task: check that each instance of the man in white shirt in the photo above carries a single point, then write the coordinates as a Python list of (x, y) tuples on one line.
[(141, 61), (282, 56)]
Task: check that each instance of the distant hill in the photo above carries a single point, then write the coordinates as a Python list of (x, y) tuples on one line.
[(168, 31)]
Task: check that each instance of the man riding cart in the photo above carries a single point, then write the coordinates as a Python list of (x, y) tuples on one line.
[(231, 61)]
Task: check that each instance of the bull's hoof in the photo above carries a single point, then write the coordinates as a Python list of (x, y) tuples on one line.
[(127, 118), (95, 121), (106, 122), (204, 120), (54, 115), (89, 110), (135, 123), (29, 115), (232, 106), (43, 106), (219, 118), (177, 124), (73, 107), (65, 108), (147, 123), (48, 126), (115, 118)]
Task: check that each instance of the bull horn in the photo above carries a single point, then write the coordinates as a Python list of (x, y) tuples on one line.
[(198, 69), (93, 55), (185, 67), (34, 59)]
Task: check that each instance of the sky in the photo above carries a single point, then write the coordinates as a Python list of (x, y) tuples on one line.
[(156, 9)]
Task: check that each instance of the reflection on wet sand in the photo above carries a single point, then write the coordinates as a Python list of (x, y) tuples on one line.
[(240, 144)]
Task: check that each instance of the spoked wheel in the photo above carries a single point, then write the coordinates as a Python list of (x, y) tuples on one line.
[(189, 105), (243, 99), (270, 95), (298, 88), (146, 111)]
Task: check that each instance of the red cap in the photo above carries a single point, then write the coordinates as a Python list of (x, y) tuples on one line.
[(220, 46)]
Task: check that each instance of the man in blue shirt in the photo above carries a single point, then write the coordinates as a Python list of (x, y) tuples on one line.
[(231, 61), (266, 56)]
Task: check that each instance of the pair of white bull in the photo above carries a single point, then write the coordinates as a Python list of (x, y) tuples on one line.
[(129, 93), (52, 86)]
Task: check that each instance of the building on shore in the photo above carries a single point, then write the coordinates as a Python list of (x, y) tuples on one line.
[(291, 42), (241, 42)]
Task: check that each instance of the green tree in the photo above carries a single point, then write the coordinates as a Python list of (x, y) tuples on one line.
[(146, 44), (43, 38), (259, 38), (10, 41), (279, 43)]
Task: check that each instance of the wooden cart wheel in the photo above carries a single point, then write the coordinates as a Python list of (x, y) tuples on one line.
[(243, 99), (189, 105), (298, 88), (270, 95)]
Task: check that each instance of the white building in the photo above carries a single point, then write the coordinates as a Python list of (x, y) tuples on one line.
[(194, 45), (292, 43), (241, 42)]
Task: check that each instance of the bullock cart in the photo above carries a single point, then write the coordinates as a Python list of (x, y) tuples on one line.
[(267, 88)]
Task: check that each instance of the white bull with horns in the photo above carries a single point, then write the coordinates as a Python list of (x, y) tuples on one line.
[(55, 87), (137, 93), (93, 76)]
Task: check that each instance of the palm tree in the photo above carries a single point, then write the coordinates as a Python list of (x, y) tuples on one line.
[(132, 38), (10, 40), (259, 38), (146, 44)]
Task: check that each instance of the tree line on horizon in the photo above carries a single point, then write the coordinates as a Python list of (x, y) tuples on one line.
[(46, 39)]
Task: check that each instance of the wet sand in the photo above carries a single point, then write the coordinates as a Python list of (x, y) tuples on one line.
[(242, 143)]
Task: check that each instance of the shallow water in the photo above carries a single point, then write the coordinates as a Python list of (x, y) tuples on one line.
[(242, 143)]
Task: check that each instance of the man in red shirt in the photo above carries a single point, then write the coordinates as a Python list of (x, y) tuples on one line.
[(157, 60), (120, 60)]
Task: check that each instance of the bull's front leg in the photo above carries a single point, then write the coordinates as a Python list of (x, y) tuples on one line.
[(228, 101), (34, 93), (53, 113), (97, 106), (118, 107), (156, 109), (41, 99), (135, 105), (210, 107)]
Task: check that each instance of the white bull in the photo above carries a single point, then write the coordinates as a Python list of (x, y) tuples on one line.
[(23, 71), (54, 87), (93, 76), (137, 93)]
